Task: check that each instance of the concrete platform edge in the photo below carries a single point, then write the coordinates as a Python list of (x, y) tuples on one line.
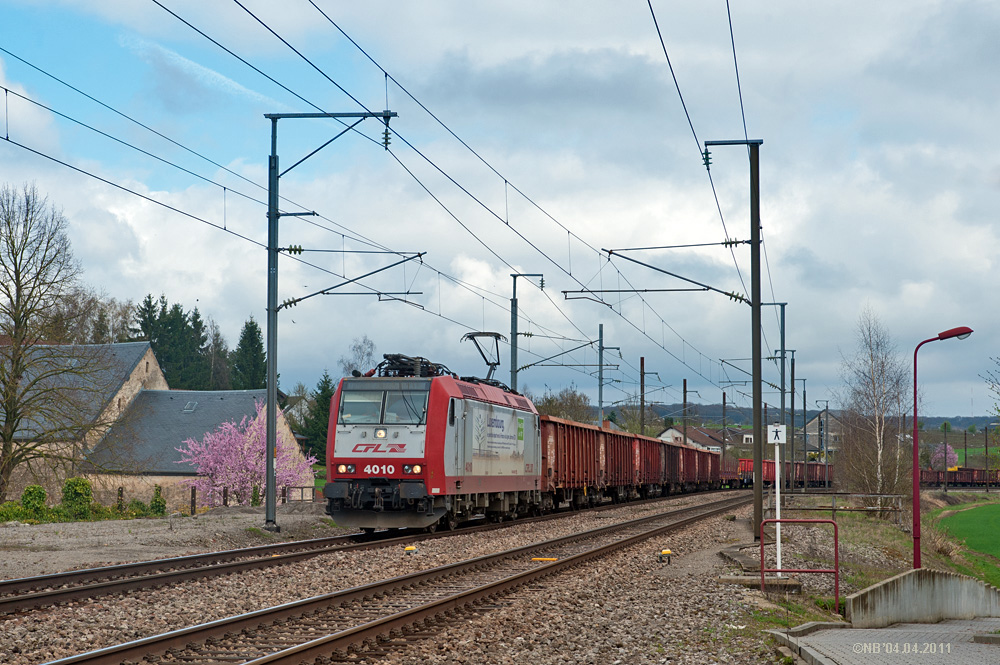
[(804, 652)]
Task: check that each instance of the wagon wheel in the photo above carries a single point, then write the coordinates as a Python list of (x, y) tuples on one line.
[(431, 528), (449, 522)]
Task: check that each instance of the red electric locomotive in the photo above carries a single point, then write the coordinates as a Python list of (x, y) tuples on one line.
[(413, 445), (416, 446)]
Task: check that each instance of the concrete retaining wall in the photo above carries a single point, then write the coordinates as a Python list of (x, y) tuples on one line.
[(922, 596)]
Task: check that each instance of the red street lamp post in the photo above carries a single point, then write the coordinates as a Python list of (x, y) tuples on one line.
[(961, 333)]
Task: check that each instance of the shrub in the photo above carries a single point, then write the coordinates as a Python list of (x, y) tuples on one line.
[(11, 511), (137, 508), (33, 499), (158, 505), (77, 496)]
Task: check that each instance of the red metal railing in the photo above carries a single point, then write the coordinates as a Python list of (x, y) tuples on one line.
[(836, 558)]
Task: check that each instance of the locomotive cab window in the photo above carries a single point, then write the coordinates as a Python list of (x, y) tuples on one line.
[(405, 407), (360, 407)]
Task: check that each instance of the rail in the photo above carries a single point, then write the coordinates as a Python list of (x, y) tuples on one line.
[(317, 627), (54, 588), (836, 557)]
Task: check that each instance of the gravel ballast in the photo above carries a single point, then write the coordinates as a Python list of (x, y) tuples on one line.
[(627, 608)]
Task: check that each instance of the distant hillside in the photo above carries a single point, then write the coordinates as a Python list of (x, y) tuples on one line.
[(711, 414), (958, 423)]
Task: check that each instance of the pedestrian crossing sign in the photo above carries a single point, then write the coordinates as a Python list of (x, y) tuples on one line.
[(776, 434)]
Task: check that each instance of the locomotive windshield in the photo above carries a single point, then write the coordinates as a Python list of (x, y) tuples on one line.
[(371, 401)]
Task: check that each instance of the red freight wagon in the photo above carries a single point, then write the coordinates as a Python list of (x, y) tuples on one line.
[(572, 462), (689, 468), (648, 463), (729, 472), (618, 456), (672, 479), (709, 471)]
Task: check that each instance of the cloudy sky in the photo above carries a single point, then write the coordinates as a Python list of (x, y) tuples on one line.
[(530, 137)]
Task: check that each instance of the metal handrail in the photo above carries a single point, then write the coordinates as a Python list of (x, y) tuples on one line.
[(836, 557)]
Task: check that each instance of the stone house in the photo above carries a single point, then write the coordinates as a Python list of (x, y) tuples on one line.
[(134, 423), (140, 451), (110, 376)]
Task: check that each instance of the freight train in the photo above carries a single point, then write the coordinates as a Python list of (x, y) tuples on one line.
[(411, 444), (807, 474), (960, 477)]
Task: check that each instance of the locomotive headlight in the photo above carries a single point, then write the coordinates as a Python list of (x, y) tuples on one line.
[(407, 468), (341, 468), (380, 433), (417, 468)]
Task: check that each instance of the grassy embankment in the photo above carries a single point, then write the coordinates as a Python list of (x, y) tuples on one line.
[(967, 532)]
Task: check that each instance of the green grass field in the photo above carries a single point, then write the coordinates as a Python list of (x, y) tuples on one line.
[(978, 527)]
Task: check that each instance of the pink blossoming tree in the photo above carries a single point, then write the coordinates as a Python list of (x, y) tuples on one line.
[(941, 453), (233, 457)]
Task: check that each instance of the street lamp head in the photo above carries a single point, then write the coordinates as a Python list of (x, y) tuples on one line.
[(961, 332)]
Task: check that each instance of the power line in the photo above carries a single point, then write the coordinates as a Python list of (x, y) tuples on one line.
[(448, 176), (746, 136), (286, 88), (355, 236), (214, 225)]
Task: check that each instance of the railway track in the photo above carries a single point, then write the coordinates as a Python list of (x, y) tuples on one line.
[(52, 589), (328, 626)]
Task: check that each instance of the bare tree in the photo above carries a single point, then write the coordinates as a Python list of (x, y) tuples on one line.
[(628, 418), (874, 405), (300, 402), (361, 356), (568, 403), (87, 317), (51, 395)]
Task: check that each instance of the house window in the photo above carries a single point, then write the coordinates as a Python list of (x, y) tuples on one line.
[(190, 407)]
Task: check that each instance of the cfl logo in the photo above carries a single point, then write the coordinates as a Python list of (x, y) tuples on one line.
[(380, 448)]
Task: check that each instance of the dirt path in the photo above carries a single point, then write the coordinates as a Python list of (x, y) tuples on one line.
[(27, 550)]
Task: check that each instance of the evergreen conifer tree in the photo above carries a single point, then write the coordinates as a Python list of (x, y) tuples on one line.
[(317, 421), (248, 362)]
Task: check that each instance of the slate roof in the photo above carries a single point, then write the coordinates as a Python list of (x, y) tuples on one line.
[(95, 374), (700, 435), (159, 421)]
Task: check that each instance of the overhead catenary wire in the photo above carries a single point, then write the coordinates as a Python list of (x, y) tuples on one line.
[(410, 145), (746, 136), (353, 235), (319, 70), (207, 222), (570, 272), (445, 174), (167, 162)]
